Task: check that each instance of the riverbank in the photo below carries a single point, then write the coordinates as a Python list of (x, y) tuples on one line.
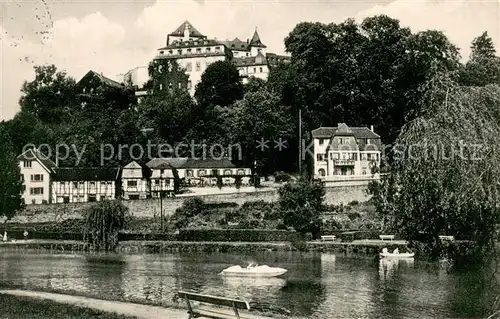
[(19, 305), (369, 247)]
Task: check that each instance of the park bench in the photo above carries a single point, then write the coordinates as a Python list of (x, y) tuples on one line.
[(203, 311), (386, 237), (328, 237), (450, 238)]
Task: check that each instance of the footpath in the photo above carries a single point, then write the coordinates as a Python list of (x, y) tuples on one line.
[(118, 307)]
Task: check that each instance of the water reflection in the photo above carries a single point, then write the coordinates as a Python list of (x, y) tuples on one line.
[(320, 286)]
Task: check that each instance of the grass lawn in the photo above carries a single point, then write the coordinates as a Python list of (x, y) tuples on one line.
[(14, 307)]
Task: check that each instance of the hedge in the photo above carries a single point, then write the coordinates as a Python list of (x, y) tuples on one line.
[(245, 235)]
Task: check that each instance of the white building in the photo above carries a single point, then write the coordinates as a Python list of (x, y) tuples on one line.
[(80, 185), (134, 181), (194, 52), (36, 172), (346, 153), (45, 183)]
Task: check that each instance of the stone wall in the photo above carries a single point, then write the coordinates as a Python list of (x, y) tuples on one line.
[(151, 207)]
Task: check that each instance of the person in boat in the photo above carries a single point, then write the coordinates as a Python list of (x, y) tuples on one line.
[(396, 251)]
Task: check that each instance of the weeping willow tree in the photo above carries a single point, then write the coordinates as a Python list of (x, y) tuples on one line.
[(444, 176), (103, 222)]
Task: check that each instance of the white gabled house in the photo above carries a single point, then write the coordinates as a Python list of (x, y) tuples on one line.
[(346, 153), (36, 172), (135, 181)]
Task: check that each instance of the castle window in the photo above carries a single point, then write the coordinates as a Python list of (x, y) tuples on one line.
[(198, 50), (208, 50), (161, 52), (198, 66), (254, 70), (179, 52), (189, 67), (260, 69), (170, 51), (189, 51)]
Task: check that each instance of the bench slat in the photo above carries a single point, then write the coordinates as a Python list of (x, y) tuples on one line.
[(221, 301)]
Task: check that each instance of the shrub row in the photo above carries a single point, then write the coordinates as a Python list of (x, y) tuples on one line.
[(248, 235)]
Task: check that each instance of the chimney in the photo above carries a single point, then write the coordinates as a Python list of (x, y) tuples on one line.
[(371, 128)]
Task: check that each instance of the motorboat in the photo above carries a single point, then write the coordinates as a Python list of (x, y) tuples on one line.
[(395, 254), (253, 270)]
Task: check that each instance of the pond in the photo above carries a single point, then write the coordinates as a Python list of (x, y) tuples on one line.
[(317, 285)]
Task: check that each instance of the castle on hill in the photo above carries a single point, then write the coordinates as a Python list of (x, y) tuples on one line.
[(194, 52)]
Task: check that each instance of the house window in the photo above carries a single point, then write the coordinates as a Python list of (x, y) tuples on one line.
[(198, 66), (198, 50), (179, 52), (22, 177), (320, 157), (162, 171), (254, 70), (132, 183), (260, 69), (189, 51), (367, 141), (202, 172), (341, 140), (92, 184), (227, 172), (75, 184), (189, 85), (37, 178), (189, 67), (208, 50), (189, 173), (27, 164), (241, 172), (36, 191), (170, 52), (321, 141), (157, 182), (217, 49), (321, 172), (161, 52)]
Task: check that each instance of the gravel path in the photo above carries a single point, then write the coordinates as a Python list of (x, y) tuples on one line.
[(122, 308)]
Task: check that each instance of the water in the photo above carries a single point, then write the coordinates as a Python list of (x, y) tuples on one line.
[(316, 286)]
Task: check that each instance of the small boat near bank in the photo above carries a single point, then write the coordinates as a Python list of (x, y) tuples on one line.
[(253, 270), (395, 254)]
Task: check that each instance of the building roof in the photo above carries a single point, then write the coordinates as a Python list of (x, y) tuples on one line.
[(274, 59), (86, 174), (237, 44), (358, 132), (104, 80), (256, 42), (34, 155), (158, 163), (185, 162), (191, 44), (259, 59), (193, 32)]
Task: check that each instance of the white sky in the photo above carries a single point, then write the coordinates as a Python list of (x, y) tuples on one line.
[(113, 36)]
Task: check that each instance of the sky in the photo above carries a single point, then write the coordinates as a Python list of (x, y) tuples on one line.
[(114, 36)]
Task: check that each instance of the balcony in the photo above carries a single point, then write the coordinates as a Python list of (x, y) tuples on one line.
[(344, 162)]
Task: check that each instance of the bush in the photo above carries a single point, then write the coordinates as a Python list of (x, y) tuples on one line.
[(281, 177)]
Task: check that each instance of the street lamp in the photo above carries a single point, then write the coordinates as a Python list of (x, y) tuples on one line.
[(162, 167)]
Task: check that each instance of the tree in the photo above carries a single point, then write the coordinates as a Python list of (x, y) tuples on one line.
[(443, 178), (260, 115), (50, 97), (483, 67), (11, 185), (301, 204), (103, 221), (220, 85)]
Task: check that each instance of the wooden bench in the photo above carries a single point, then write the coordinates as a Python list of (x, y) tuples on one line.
[(328, 237), (212, 312), (450, 238), (386, 237)]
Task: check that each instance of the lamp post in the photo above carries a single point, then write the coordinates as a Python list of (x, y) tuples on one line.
[(162, 168)]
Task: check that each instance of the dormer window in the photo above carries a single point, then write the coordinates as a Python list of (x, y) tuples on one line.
[(179, 52), (208, 50), (198, 50), (205, 42), (161, 52), (189, 51)]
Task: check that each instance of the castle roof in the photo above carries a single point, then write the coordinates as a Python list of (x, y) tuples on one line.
[(193, 32), (256, 42), (259, 59), (191, 44), (237, 44), (358, 132)]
